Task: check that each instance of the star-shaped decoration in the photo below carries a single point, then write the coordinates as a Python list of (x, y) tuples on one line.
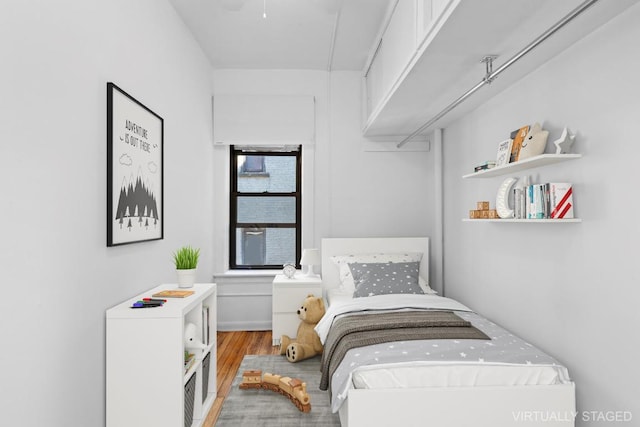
[(563, 144)]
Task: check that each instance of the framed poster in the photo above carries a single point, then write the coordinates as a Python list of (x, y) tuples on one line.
[(134, 170)]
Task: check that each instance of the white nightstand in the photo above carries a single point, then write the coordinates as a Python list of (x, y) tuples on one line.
[(287, 297)]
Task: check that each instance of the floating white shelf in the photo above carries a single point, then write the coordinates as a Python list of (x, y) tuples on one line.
[(529, 221), (532, 162)]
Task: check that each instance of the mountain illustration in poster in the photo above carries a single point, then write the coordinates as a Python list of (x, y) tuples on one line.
[(136, 201)]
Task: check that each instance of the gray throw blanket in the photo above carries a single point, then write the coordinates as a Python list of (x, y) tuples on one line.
[(360, 330)]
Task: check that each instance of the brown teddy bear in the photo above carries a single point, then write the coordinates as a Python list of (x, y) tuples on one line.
[(307, 343)]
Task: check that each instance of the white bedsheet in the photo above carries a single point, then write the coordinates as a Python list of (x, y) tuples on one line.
[(504, 360), (419, 374)]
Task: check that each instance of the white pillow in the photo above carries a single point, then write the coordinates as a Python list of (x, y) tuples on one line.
[(346, 279)]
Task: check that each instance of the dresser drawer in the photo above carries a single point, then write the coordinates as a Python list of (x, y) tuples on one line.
[(285, 324), (289, 299)]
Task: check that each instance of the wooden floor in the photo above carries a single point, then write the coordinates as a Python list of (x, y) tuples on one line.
[(232, 347)]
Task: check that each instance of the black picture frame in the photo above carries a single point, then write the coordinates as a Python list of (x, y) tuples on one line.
[(135, 162)]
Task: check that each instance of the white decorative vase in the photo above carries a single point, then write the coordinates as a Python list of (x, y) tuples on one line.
[(186, 278)]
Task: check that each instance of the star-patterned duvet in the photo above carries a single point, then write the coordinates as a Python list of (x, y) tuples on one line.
[(503, 360)]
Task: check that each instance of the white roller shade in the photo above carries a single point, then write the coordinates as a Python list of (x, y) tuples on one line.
[(263, 119)]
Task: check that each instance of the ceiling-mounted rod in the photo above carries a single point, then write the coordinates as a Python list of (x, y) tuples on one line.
[(490, 77)]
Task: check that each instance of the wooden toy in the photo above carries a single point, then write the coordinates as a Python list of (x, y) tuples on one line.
[(292, 388)]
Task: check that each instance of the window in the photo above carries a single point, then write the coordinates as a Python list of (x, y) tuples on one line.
[(265, 203)]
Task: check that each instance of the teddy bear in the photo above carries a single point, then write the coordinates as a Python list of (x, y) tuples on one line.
[(307, 343)]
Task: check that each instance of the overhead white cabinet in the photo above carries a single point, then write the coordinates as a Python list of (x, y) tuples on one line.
[(400, 42), (428, 13), (429, 54), (425, 15), (392, 54), (374, 82)]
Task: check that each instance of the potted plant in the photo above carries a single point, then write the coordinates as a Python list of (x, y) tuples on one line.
[(186, 261)]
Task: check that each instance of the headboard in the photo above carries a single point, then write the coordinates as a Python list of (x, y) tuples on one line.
[(360, 245)]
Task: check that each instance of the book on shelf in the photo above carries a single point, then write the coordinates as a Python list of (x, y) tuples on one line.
[(504, 152), (189, 360), (172, 294), (546, 201), (518, 137), (551, 200), (560, 200), (536, 201), (489, 164), (529, 205), (205, 325)]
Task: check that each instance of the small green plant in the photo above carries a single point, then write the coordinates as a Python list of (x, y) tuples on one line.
[(186, 258)]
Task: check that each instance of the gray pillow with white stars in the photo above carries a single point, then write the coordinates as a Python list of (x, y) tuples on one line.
[(385, 278)]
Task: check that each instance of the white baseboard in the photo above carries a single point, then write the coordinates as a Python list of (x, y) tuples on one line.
[(244, 325)]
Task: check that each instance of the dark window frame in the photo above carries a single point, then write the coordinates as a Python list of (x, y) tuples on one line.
[(234, 225)]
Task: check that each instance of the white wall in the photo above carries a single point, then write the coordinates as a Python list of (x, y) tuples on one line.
[(571, 289), (371, 193), (58, 275), (347, 192)]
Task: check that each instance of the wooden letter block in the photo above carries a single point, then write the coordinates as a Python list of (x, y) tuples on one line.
[(483, 206)]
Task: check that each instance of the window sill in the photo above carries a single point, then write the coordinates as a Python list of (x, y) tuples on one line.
[(248, 273)]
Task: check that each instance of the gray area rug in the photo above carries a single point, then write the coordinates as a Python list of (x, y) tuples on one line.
[(266, 408)]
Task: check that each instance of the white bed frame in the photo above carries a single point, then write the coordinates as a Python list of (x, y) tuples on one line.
[(498, 406)]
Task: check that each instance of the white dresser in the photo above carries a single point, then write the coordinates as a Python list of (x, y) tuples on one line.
[(288, 295)]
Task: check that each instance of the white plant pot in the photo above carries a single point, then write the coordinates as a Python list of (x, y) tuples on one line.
[(186, 278)]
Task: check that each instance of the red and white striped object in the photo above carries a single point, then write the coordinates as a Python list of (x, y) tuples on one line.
[(561, 200)]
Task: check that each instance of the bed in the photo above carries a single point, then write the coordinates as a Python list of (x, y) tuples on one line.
[(483, 377)]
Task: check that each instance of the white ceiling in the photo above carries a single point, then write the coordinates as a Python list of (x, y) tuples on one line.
[(335, 35), (296, 34)]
